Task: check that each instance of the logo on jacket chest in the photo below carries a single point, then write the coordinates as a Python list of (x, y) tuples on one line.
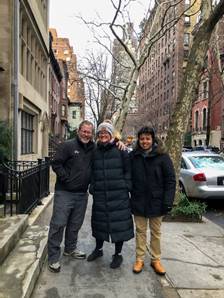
[(76, 152)]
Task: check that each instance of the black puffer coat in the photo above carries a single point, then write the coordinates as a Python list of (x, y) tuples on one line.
[(153, 182), (110, 186)]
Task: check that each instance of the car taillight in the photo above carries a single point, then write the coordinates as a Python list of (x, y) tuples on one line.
[(199, 177)]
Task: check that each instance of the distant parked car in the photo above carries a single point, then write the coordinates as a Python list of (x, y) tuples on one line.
[(186, 149), (212, 149), (202, 175)]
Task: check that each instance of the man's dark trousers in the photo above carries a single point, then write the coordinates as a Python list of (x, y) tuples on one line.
[(68, 213)]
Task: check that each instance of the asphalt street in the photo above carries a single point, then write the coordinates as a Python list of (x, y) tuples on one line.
[(215, 211)]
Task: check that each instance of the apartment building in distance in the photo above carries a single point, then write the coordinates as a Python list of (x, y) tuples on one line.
[(121, 68), (63, 52), (161, 76), (24, 80)]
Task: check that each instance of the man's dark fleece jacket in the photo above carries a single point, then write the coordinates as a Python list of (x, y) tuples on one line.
[(72, 165)]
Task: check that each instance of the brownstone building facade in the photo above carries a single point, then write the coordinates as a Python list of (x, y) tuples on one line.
[(75, 87), (208, 109), (58, 99)]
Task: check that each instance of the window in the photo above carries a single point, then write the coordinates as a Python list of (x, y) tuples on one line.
[(63, 110), (204, 119), (173, 75), (205, 89), (73, 114), (26, 133), (196, 120), (186, 53), (187, 3), (186, 39), (186, 20), (33, 62)]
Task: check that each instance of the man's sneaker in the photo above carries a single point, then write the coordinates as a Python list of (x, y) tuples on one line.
[(138, 266), (54, 267), (97, 253), (77, 254), (116, 261), (158, 268)]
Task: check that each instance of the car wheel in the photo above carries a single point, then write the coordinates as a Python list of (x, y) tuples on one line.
[(181, 188)]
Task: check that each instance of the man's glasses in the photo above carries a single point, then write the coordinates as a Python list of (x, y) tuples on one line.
[(86, 132)]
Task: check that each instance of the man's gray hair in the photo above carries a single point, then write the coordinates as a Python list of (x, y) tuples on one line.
[(85, 122)]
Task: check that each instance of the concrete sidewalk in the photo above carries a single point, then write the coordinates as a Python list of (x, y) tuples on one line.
[(193, 255)]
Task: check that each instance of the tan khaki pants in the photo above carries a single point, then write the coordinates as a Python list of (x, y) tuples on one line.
[(141, 236)]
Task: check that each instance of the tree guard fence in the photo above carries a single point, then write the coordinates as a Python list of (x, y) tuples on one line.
[(23, 184)]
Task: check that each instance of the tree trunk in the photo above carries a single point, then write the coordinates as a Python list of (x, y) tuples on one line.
[(123, 111)]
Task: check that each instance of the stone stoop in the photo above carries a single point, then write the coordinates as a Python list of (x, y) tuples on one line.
[(11, 229), (20, 270)]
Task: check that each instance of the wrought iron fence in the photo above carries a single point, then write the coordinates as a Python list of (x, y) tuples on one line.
[(23, 184)]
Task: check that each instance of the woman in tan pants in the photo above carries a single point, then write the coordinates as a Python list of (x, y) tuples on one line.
[(153, 191)]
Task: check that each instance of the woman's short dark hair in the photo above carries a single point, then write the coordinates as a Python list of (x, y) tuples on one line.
[(147, 130)]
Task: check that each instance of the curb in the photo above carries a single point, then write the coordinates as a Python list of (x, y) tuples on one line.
[(38, 211)]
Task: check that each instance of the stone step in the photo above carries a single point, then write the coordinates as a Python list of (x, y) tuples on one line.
[(21, 269), (11, 229)]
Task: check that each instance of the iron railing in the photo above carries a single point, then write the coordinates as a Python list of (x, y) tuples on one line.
[(23, 184), (53, 145)]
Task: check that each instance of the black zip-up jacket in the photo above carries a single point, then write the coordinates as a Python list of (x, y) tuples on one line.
[(72, 165)]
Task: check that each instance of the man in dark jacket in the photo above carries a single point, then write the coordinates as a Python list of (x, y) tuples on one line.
[(72, 165), (153, 190)]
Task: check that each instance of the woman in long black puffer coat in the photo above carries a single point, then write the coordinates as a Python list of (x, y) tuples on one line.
[(110, 186), (153, 190)]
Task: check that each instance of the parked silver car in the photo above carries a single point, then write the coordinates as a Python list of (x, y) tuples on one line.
[(202, 175)]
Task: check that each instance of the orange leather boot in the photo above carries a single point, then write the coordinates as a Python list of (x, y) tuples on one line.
[(158, 267), (138, 266)]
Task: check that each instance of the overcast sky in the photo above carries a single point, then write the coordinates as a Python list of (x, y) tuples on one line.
[(63, 18)]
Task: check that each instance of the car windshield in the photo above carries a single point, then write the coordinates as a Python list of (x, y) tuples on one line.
[(216, 162)]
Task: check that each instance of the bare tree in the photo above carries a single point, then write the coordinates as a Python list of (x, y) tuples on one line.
[(101, 90), (137, 55), (160, 22)]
